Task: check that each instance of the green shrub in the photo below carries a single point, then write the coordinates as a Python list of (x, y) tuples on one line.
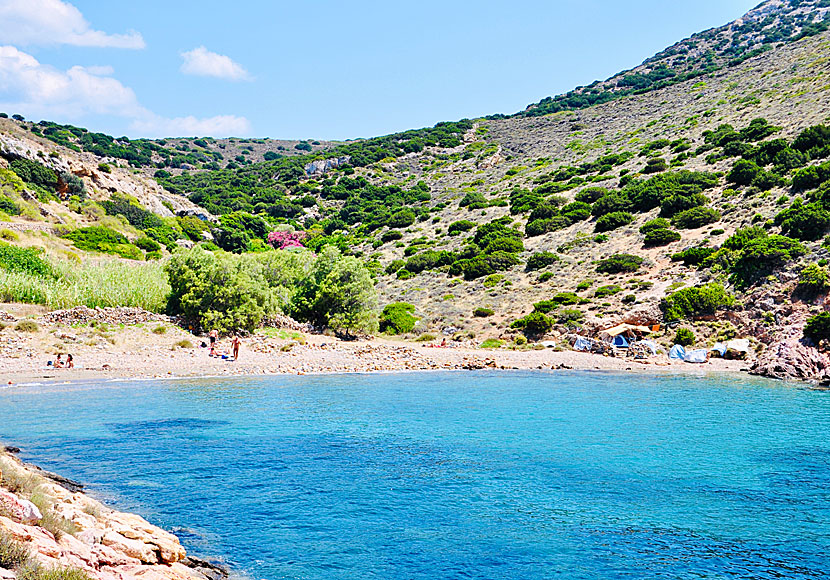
[(584, 285), (426, 337), (402, 219), (398, 318), (570, 316), (693, 256), (804, 222), (608, 290), (655, 165), (534, 324), (817, 328), (591, 194), (542, 226), (491, 343), (813, 280), (695, 301), (684, 337), (460, 227), (695, 218), (390, 236), (629, 299), (655, 224), (612, 221), (545, 276), (482, 312), (24, 260), (8, 206), (743, 172), (661, 237), (619, 263), (539, 260), (148, 244), (762, 256)]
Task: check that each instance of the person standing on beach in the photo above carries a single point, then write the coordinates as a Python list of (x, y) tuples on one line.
[(235, 344), (214, 334)]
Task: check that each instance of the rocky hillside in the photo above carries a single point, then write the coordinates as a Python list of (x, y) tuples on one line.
[(697, 201), (769, 25)]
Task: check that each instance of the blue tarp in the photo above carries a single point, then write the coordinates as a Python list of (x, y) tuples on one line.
[(620, 341), (678, 352), (582, 344)]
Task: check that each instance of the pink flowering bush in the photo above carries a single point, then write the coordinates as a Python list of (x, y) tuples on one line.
[(282, 240)]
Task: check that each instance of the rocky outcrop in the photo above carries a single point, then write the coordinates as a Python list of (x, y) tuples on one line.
[(323, 165), (103, 543), (791, 359)]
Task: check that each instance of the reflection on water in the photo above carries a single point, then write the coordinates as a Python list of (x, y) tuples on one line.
[(455, 475)]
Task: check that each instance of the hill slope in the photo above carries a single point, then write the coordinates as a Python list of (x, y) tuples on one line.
[(502, 228)]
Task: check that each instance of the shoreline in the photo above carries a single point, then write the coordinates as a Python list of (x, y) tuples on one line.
[(61, 527)]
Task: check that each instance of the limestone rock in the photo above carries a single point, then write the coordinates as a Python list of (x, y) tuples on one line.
[(21, 510), (132, 548)]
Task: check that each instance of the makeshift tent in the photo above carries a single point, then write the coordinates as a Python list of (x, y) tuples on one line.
[(651, 345), (619, 341), (696, 356), (677, 352), (619, 336), (738, 349), (719, 348), (582, 344)]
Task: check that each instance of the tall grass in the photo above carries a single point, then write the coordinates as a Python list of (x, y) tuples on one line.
[(93, 283)]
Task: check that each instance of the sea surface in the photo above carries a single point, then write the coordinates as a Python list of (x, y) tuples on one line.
[(474, 475)]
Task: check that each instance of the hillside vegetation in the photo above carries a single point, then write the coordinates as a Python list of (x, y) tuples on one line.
[(692, 197)]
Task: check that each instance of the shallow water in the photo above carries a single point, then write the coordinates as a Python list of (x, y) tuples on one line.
[(513, 475)]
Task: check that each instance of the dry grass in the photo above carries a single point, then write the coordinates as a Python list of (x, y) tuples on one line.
[(13, 554)]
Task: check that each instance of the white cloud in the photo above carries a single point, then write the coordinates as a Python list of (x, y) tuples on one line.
[(204, 63), (218, 126), (49, 22), (41, 91)]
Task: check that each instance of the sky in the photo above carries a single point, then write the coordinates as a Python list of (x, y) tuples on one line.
[(322, 69)]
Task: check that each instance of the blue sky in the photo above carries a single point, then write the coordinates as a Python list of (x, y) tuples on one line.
[(318, 69)]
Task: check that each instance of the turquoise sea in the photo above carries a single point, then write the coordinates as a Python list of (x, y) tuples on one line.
[(482, 475)]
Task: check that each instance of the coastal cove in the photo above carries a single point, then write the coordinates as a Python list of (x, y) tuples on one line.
[(483, 474)]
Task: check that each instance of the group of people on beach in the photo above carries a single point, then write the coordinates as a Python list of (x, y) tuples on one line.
[(214, 338), (59, 363)]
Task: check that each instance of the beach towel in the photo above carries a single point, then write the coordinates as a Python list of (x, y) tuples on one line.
[(696, 356)]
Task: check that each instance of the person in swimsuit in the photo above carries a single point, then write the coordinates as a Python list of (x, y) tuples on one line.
[(235, 344), (213, 336), (70, 363)]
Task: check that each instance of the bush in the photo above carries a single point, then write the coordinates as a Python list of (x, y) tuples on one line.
[(661, 237), (613, 220), (402, 219), (743, 172), (398, 318), (695, 218), (695, 301), (813, 280), (570, 316), (535, 324), (684, 337), (619, 263), (8, 206), (147, 244), (542, 226), (761, 257), (817, 328), (693, 256), (13, 554), (609, 290), (655, 165), (491, 343), (460, 227), (27, 326), (483, 312), (539, 260), (24, 260), (591, 194), (655, 224), (804, 222), (390, 236)]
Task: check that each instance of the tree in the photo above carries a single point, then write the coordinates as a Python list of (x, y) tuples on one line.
[(398, 318), (348, 299)]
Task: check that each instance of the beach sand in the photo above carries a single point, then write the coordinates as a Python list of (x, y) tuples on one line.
[(137, 352)]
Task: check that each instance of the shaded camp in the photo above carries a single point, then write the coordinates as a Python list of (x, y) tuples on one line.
[(621, 334), (677, 352)]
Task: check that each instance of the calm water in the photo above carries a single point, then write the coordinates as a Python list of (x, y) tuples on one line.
[(455, 475)]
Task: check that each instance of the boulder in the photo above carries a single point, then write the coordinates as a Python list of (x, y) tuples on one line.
[(132, 548), (21, 510)]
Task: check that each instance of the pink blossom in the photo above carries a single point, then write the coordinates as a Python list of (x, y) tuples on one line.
[(282, 240)]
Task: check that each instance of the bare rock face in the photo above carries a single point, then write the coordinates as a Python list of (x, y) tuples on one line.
[(792, 359)]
